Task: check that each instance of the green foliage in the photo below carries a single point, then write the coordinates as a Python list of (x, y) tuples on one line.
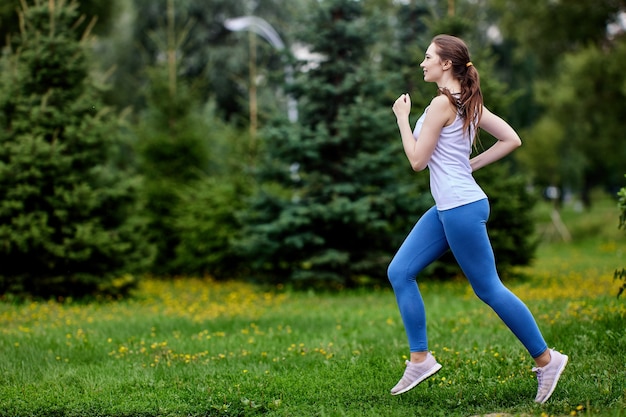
[(68, 221), (330, 208), (547, 29), (205, 222), (191, 163), (542, 143), (173, 153), (101, 10), (205, 219), (589, 157)]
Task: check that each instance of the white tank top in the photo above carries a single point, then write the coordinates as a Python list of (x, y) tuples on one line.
[(451, 181)]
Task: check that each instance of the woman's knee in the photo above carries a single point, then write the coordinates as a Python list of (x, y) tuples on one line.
[(397, 274), (392, 272), (491, 294)]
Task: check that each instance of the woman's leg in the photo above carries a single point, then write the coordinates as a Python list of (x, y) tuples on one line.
[(424, 244), (466, 231)]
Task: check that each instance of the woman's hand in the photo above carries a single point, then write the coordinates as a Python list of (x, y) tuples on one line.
[(402, 106), (508, 140), (437, 115)]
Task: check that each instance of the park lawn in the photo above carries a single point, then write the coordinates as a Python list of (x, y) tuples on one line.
[(195, 347)]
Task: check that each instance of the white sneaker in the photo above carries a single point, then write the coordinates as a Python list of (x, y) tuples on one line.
[(416, 373), (548, 376)]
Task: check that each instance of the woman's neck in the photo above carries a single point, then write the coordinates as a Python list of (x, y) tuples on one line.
[(453, 88)]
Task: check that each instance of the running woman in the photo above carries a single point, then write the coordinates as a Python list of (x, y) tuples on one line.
[(442, 141)]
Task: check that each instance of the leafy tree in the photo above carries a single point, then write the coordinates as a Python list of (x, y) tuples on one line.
[(582, 121), (545, 140), (329, 207), (545, 30), (68, 221)]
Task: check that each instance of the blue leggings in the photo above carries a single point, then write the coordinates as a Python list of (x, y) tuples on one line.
[(463, 230)]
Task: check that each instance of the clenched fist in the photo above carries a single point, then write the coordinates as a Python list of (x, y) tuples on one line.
[(402, 106)]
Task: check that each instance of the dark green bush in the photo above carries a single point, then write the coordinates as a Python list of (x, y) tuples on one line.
[(173, 150), (206, 223), (68, 224)]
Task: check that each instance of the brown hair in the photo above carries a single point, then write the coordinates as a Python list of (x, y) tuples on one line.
[(470, 102)]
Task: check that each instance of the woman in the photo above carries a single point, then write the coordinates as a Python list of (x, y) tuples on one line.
[(442, 141)]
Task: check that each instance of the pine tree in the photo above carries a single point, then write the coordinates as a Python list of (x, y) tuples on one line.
[(68, 222), (173, 154), (334, 192), (173, 144)]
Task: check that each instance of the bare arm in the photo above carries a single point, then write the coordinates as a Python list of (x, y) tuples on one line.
[(508, 140), (419, 151)]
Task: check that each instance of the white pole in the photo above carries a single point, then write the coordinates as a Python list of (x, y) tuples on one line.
[(266, 31)]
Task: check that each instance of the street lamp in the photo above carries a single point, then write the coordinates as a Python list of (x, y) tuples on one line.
[(266, 31)]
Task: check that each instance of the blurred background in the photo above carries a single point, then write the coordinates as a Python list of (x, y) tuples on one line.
[(254, 139)]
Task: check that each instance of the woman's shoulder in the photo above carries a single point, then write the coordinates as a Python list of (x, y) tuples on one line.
[(441, 105), (439, 101)]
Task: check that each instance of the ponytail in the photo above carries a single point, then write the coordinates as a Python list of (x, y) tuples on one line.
[(470, 101)]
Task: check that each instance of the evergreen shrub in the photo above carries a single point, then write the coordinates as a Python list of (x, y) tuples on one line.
[(68, 212)]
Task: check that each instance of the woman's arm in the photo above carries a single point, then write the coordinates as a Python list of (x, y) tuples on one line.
[(438, 115), (508, 140)]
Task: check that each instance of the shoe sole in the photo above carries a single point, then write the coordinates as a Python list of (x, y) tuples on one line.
[(556, 380), (432, 371)]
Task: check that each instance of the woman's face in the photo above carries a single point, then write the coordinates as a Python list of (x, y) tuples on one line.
[(432, 65)]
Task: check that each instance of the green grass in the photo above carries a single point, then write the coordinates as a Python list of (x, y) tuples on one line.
[(199, 348)]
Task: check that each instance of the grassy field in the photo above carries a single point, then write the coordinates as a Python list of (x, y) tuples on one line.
[(194, 347)]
